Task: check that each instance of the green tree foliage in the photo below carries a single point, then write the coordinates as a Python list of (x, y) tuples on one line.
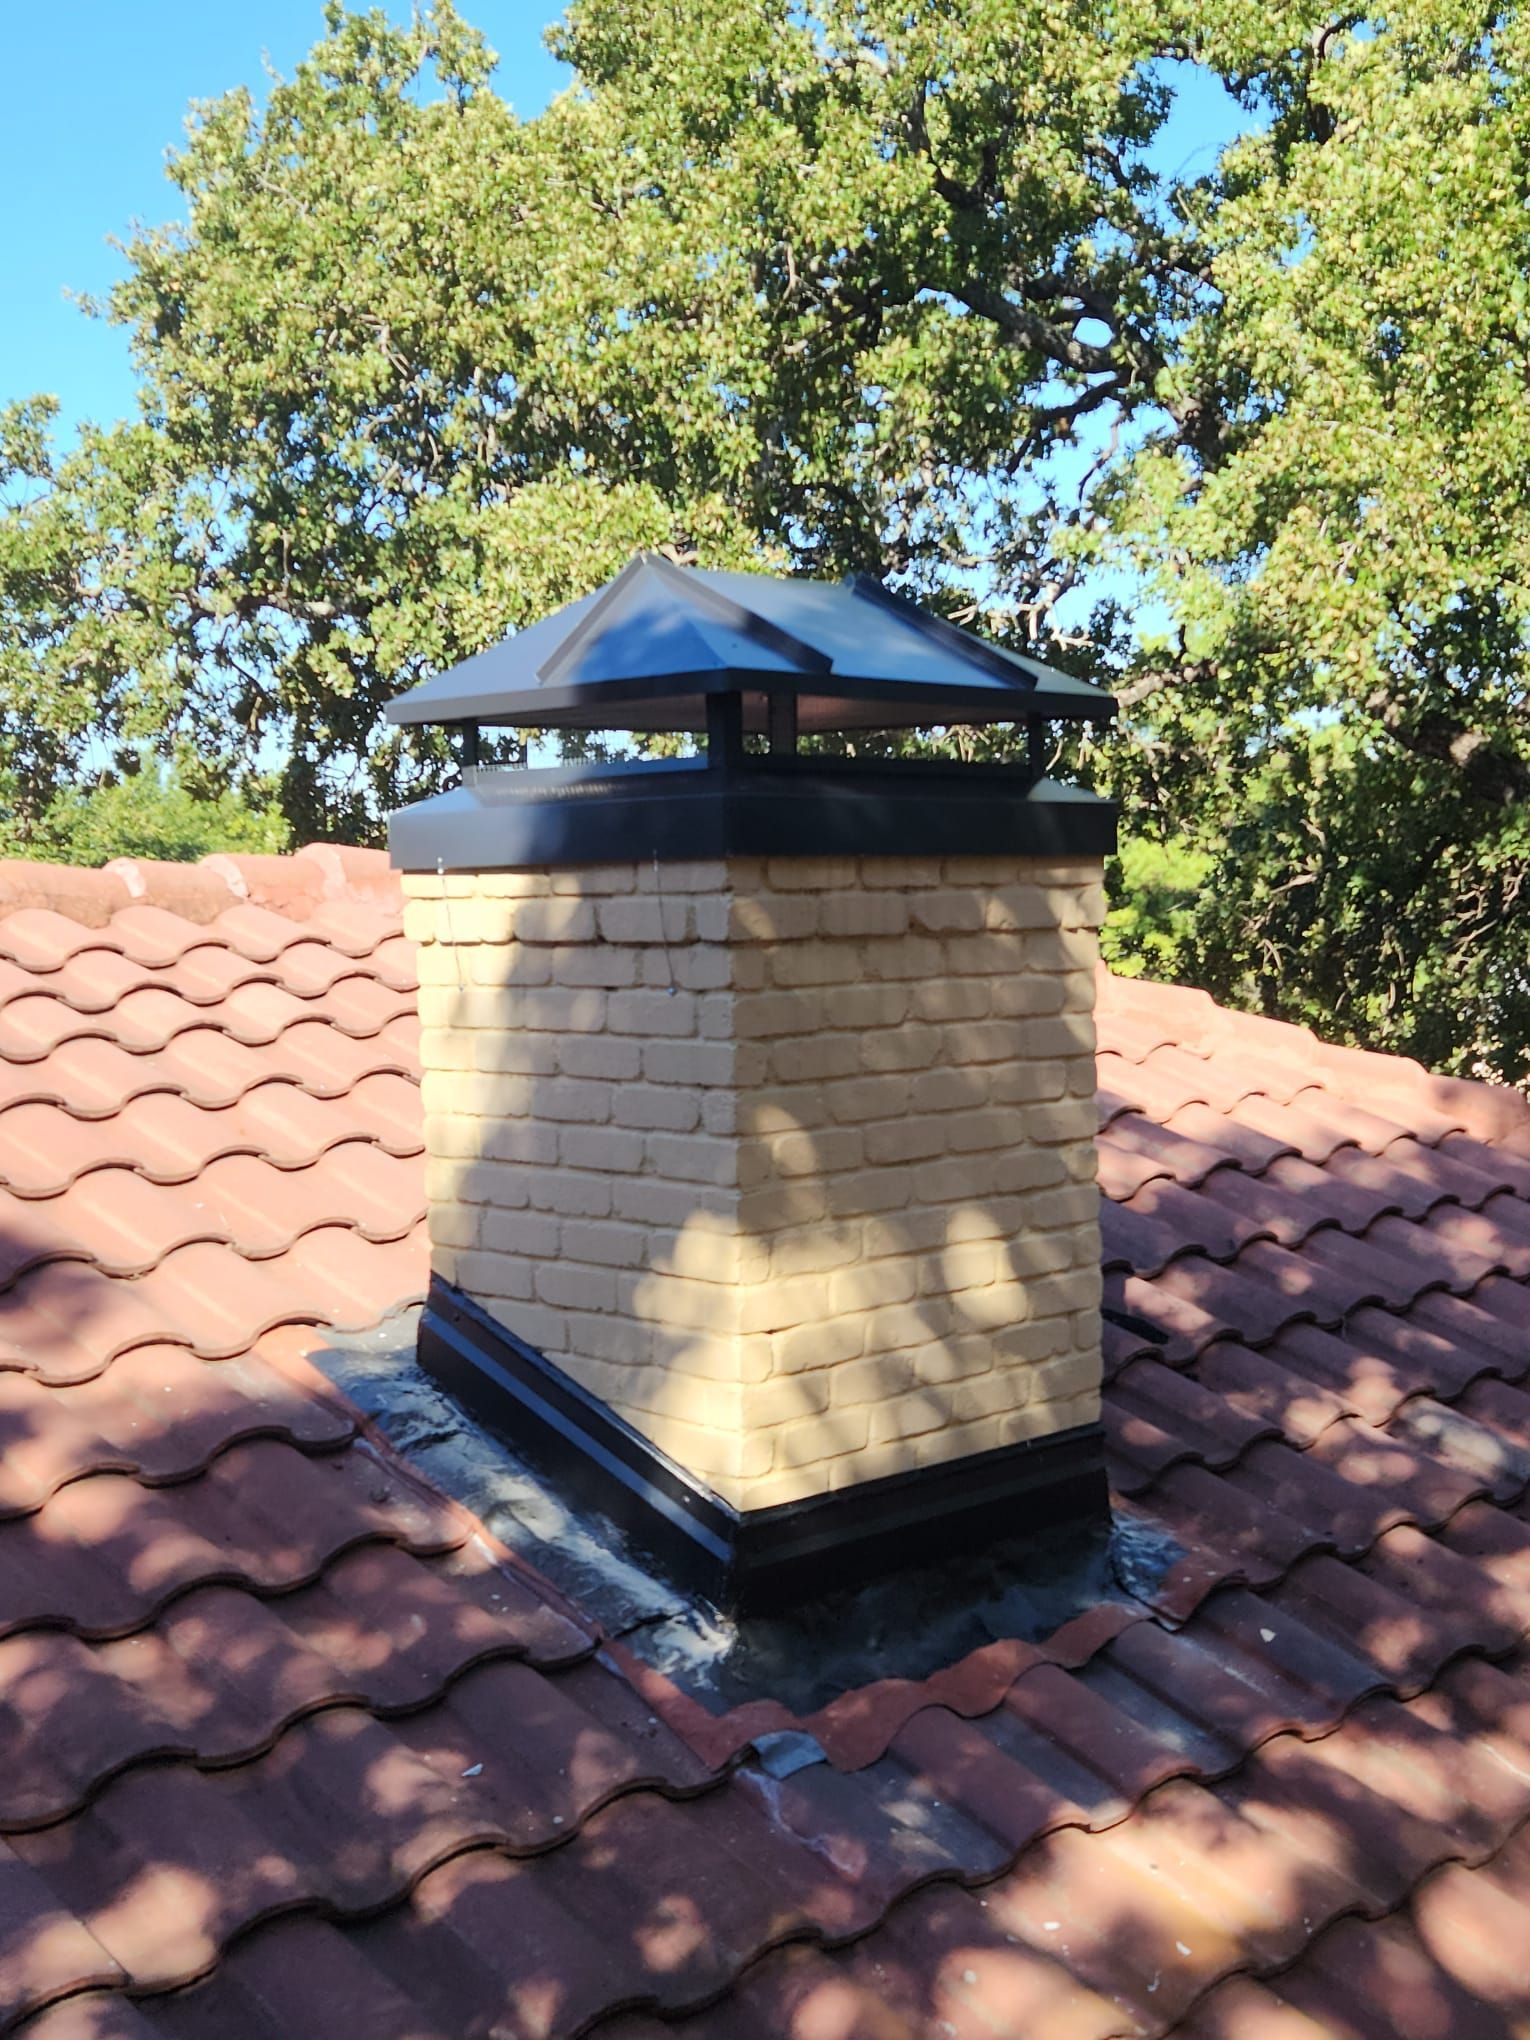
[(1159, 889), (150, 812), (911, 289), (362, 454)]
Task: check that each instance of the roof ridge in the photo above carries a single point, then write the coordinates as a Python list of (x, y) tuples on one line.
[(294, 884)]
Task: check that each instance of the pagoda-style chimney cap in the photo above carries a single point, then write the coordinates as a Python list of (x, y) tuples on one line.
[(646, 651)]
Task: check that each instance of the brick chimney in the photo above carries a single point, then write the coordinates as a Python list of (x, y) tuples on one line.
[(761, 1179)]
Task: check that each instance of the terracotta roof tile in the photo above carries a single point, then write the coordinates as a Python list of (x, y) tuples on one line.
[(292, 1747), (1303, 1382), (165, 1139), (223, 1670), (1292, 1199), (1211, 1218), (158, 1413), (238, 1841), (65, 1320), (44, 1950), (1161, 1088), (207, 974), (1157, 1418), (153, 935), (127, 1226), (1143, 1150), (1237, 1141), (1413, 1179), (257, 932), (39, 939), (104, 1555)]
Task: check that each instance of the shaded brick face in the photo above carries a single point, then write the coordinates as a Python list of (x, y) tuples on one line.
[(789, 1161)]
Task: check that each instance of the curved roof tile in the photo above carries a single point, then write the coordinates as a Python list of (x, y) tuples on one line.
[(294, 1746)]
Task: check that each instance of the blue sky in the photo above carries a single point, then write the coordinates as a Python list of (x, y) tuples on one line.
[(92, 94)]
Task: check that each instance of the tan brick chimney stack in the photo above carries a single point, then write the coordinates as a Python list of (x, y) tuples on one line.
[(761, 1184)]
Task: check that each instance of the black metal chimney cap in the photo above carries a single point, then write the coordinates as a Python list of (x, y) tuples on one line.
[(645, 652)]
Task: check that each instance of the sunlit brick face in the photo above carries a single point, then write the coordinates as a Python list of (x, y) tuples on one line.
[(789, 1161)]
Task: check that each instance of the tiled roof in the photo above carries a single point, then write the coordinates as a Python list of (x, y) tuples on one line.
[(292, 1747)]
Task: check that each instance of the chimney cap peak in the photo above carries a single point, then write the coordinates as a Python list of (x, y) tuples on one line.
[(645, 651)]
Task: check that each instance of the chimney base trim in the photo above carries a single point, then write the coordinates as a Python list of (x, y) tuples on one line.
[(757, 1559)]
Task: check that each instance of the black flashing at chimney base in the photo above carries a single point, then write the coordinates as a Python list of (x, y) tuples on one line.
[(758, 1560)]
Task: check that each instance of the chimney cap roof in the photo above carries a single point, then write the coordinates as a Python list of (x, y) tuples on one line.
[(645, 651)]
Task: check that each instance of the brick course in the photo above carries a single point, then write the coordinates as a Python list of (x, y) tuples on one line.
[(790, 1161)]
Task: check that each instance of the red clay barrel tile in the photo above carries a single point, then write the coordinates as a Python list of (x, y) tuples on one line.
[(158, 1412), (44, 1950), (104, 1554), (41, 939), (149, 934), (1312, 1356)]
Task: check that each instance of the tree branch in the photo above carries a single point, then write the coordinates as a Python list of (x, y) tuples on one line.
[(1028, 329), (1143, 686), (1489, 772), (965, 198)]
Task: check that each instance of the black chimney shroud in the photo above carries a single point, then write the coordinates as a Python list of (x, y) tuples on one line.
[(668, 648)]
